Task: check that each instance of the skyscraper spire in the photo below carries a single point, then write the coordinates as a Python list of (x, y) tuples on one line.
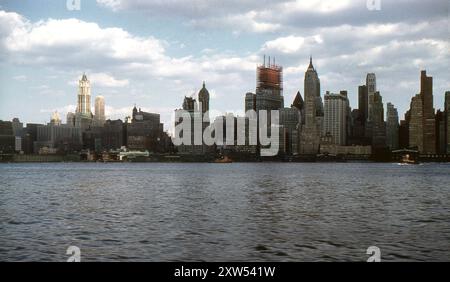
[(310, 63)]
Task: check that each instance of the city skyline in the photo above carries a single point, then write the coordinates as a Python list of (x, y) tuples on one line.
[(344, 50), (240, 112)]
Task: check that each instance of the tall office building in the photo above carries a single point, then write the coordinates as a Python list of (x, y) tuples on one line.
[(363, 102), (289, 124), (84, 96), (447, 119), (376, 124), (310, 135), (82, 118), (99, 117), (250, 101), (269, 91), (441, 140), (196, 112), (7, 138), (336, 117), (299, 104), (358, 118), (203, 98), (403, 134), (416, 123), (429, 122), (392, 127), (144, 131), (371, 84), (422, 128)]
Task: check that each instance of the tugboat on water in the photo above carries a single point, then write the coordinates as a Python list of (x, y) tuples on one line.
[(406, 159), (223, 160), (406, 156)]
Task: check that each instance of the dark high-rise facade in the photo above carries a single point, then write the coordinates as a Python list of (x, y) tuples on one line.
[(441, 146), (358, 119), (250, 101), (403, 134), (371, 84), (429, 122), (416, 123), (7, 139), (422, 127), (372, 110), (299, 104), (363, 102), (392, 127), (447, 120), (145, 131), (377, 124)]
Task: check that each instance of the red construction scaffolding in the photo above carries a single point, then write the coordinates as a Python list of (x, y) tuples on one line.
[(269, 76)]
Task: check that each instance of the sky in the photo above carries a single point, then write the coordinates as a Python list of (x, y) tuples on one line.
[(153, 53)]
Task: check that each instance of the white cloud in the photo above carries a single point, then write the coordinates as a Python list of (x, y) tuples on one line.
[(71, 38), (106, 80), (142, 69), (281, 15), (289, 44), (20, 78), (316, 6)]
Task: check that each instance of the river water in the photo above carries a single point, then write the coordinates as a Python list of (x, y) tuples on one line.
[(224, 212)]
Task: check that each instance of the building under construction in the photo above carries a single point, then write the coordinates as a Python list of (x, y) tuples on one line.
[(269, 88), (269, 77)]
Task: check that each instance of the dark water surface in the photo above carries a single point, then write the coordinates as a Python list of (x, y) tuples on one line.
[(224, 212)]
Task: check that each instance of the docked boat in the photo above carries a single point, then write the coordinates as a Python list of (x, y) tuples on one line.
[(406, 159), (223, 160)]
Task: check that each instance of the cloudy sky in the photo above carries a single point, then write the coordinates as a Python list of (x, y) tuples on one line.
[(153, 53)]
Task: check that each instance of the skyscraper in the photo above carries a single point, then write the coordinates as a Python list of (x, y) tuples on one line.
[(203, 98), (196, 112), (84, 96), (363, 102), (310, 135), (336, 117), (429, 122), (447, 119), (99, 117), (299, 104), (371, 85), (250, 101), (392, 127), (377, 124), (416, 123), (441, 142), (422, 128), (83, 115)]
